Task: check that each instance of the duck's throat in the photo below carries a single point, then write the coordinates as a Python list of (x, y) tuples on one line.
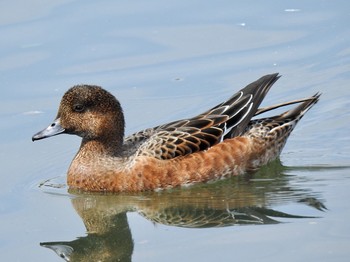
[(97, 147)]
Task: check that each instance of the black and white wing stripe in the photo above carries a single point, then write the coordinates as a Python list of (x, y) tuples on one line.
[(226, 120)]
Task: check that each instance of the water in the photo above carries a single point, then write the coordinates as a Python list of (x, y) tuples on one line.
[(167, 61)]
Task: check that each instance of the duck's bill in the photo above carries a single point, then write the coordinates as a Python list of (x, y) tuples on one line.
[(52, 130)]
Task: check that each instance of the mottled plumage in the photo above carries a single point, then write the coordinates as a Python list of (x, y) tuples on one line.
[(220, 142)]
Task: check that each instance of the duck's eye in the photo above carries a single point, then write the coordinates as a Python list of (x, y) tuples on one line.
[(78, 107)]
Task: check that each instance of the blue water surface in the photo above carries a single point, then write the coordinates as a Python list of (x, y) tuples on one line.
[(167, 60)]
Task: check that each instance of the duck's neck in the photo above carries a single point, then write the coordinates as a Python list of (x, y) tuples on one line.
[(103, 147)]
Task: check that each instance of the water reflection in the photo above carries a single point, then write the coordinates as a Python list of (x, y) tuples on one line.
[(237, 201), (108, 239)]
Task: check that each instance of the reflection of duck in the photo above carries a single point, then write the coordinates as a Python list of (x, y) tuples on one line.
[(221, 142), (237, 201), (113, 245)]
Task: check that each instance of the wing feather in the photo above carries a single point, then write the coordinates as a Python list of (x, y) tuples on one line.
[(186, 136)]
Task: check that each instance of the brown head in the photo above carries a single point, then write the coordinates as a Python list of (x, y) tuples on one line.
[(90, 112)]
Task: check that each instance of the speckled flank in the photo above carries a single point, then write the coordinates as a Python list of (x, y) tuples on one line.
[(151, 174), (219, 143)]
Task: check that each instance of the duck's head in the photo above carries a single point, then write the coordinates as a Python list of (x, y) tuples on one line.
[(90, 112)]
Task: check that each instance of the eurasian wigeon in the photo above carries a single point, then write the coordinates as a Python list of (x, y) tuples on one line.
[(221, 142)]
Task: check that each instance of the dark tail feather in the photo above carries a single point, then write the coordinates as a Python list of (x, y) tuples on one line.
[(299, 111), (276, 130), (269, 108)]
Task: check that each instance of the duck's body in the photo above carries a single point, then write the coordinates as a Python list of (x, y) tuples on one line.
[(105, 173), (219, 143)]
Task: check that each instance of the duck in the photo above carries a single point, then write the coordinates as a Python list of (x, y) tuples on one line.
[(224, 141)]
